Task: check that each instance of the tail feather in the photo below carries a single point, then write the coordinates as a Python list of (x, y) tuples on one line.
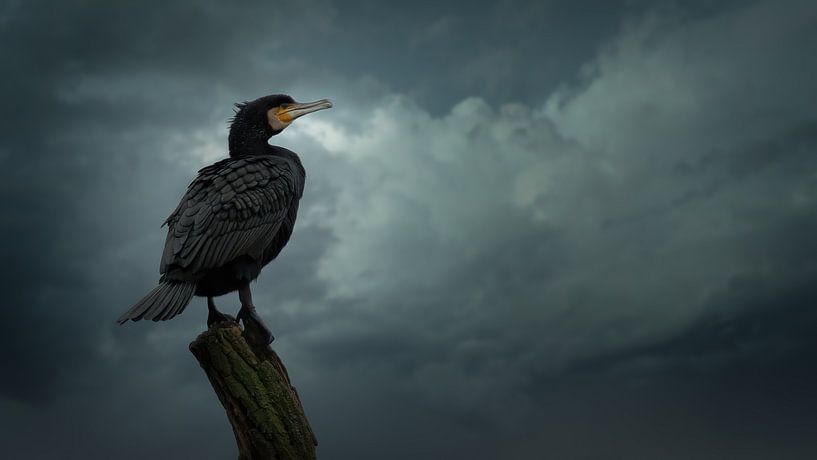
[(167, 304), (165, 301), (138, 310), (176, 307)]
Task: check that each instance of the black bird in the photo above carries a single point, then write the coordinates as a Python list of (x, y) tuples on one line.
[(234, 219)]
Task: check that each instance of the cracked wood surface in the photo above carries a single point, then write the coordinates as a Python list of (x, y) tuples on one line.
[(254, 388)]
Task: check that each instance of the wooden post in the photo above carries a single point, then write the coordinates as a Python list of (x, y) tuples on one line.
[(254, 388)]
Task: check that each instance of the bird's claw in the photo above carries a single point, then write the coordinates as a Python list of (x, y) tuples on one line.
[(215, 317), (255, 331)]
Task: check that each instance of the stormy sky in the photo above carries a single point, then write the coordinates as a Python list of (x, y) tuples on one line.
[(569, 230)]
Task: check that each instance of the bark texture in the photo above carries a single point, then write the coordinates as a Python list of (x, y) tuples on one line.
[(254, 388)]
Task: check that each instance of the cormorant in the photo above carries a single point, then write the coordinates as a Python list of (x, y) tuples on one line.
[(234, 219)]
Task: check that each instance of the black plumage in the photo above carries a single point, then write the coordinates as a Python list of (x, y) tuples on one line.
[(234, 219)]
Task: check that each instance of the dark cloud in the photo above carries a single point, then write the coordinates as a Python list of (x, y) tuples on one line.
[(528, 229)]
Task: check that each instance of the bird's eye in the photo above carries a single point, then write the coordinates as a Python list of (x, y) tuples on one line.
[(283, 106)]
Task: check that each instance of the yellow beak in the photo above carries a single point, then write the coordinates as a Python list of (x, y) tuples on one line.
[(295, 110)]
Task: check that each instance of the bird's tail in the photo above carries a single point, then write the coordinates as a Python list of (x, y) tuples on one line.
[(165, 301)]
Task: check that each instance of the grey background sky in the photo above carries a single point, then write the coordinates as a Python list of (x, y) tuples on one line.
[(579, 230)]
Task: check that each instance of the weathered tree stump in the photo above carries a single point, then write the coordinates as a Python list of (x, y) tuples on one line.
[(254, 388)]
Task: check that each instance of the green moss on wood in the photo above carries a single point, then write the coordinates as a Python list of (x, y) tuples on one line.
[(254, 388)]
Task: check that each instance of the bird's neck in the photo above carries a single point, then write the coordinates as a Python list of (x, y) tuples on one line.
[(241, 146), (248, 139)]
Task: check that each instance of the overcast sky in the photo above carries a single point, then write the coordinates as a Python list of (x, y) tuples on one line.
[(568, 230)]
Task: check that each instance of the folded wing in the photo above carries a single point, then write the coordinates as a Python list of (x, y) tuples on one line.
[(233, 208)]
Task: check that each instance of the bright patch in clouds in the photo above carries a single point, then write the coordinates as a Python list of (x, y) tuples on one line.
[(570, 210)]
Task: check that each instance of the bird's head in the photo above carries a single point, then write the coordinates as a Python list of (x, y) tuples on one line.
[(256, 121)]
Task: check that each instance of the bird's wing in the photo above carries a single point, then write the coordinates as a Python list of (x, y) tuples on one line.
[(234, 207)]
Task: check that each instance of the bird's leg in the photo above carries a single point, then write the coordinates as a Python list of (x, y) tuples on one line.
[(214, 316), (254, 328)]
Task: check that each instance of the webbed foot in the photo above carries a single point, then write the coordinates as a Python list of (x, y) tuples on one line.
[(255, 331), (214, 316)]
